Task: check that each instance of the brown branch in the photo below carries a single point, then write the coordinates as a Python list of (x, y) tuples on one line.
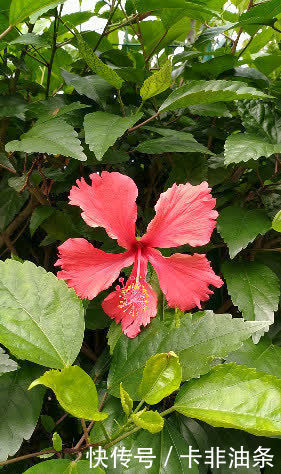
[(144, 123), (240, 30), (6, 31)]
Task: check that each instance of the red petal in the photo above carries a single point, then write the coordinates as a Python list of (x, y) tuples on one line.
[(89, 270), (184, 279), (109, 202), (134, 305), (184, 215)]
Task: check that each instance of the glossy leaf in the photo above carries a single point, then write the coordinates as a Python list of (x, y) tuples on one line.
[(75, 391), (6, 364), (255, 289), (240, 147), (149, 420), (22, 9), (47, 330), (19, 409), (197, 341), (158, 82), (264, 356), (127, 402), (239, 226), (206, 92), (102, 130), (262, 14), (162, 375), (248, 400), (53, 137)]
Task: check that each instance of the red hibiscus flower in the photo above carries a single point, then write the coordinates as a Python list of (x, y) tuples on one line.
[(184, 215)]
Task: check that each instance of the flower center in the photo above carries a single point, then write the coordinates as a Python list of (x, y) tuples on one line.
[(133, 298)]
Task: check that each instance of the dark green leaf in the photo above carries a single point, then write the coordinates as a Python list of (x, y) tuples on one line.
[(103, 129), (94, 87), (255, 289), (53, 137), (19, 409), (197, 342), (239, 226)]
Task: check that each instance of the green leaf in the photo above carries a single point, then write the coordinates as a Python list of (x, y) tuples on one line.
[(10, 204), (95, 317), (32, 39), (169, 438), (172, 144), (94, 87), (57, 441), (161, 376), (158, 82), (216, 109), (239, 226), (206, 92), (264, 356), (189, 167), (276, 223), (255, 289), (245, 146), (150, 420), (103, 129), (53, 137), (114, 332), (96, 64), (75, 391), (197, 341), (12, 107), (262, 119), (19, 409), (127, 402), (63, 466), (41, 319), (21, 9), (6, 364), (48, 423), (147, 5), (234, 396), (262, 14), (39, 215)]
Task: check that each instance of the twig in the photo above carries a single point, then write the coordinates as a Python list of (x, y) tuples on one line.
[(53, 52), (27, 456), (104, 33), (240, 30), (144, 123), (121, 103), (86, 434), (156, 46), (6, 31)]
